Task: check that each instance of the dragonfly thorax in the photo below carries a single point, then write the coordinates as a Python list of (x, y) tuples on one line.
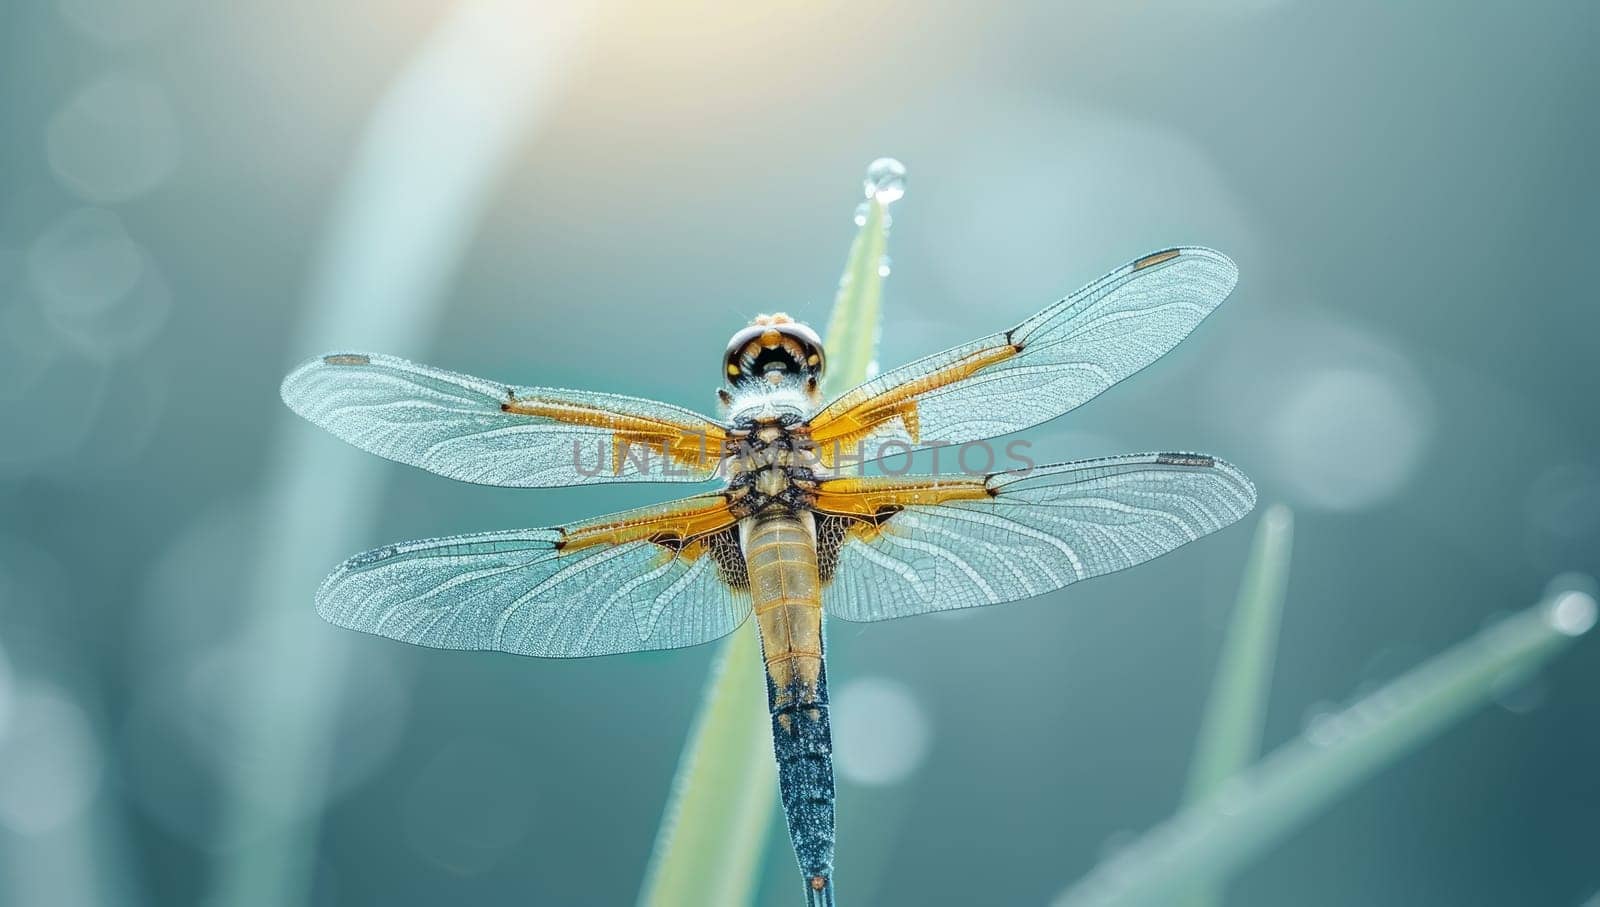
[(770, 467), (762, 403)]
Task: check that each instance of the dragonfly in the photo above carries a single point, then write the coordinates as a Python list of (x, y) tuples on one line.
[(800, 530)]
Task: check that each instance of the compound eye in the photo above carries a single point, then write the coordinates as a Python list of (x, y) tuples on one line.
[(774, 350)]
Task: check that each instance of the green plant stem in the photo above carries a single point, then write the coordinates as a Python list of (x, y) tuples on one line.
[(852, 337), (1211, 840), (1230, 733), (712, 837)]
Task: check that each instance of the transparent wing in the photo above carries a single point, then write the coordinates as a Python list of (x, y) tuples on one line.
[(901, 546), (478, 431), (654, 578), (1043, 367)]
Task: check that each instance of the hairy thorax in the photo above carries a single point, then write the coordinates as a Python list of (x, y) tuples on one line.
[(771, 467)]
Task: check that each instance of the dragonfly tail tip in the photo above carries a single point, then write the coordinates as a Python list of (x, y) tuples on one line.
[(819, 892)]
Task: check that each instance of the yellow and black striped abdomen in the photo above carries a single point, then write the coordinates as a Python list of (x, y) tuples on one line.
[(781, 559)]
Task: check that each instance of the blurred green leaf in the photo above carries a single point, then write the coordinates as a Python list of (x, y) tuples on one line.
[(852, 337), (1209, 841), (1230, 733), (713, 834), (714, 830), (379, 283)]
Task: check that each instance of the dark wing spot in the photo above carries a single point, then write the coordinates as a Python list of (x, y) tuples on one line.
[(724, 548), (1155, 259), (347, 359), (833, 529), (831, 532), (669, 540), (1181, 459)]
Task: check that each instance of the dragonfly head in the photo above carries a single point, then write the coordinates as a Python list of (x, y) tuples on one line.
[(774, 350)]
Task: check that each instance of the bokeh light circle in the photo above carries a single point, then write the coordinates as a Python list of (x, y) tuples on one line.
[(1334, 417), (52, 764), (1022, 222), (28, 344), (1353, 438), (85, 260), (116, 140), (97, 287), (881, 732)]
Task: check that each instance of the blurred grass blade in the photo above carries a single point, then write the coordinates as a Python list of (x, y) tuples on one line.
[(1230, 733), (1209, 841), (420, 180), (852, 338), (714, 829), (713, 834)]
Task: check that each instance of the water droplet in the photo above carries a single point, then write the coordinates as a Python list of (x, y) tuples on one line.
[(1573, 614), (861, 213), (886, 180), (1320, 723), (884, 266), (1326, 729), (116, 140)]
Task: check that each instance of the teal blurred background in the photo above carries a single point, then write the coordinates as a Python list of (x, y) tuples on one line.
[(194, 197)]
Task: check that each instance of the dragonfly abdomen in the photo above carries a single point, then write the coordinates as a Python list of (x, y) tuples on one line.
[(781, 559)]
